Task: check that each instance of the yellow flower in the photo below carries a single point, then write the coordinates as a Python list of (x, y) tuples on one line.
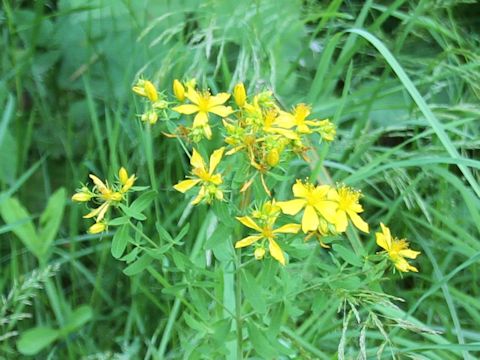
[(297, 119), (240, 95), (316, 202), (126, 181), (107, 195), (97, 228), (268, 233), (396, 249), (348, 207), (206, 177), (178, 90), (146, 89), (202, 104)]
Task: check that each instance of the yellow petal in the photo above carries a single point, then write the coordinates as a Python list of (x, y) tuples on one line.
[(185, 185), (200, 120), (200, 196), (380, 238), (412, 268), (215, 159), (288, 229), (341, 221), (291, 207), (285, 120), (403, 265), (247, 241), (98, 212), (218, 99), (207, 131), (310, 219), (411, 254), (387, 235), (196, 160), (248, 222), (328, 209), (299, 189), (358, 221), (192, 95), (99, 184), (186, 109), (276, 251), (221, 110)]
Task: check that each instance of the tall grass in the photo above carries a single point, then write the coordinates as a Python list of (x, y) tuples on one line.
[(401, 82)]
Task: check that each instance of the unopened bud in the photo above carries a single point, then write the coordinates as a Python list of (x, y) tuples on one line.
[(150, 91), (273, 157), (178, 90), (97, 228), (259, 253), (240, 95)]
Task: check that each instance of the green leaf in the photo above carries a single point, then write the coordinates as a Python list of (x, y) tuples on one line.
[(13, 213), (143, 201), (138, 265), (118, 221), (78, 318), (51, 219), (260, 342), (348, 255), (131, 213), (164, 234), (32, 341), (120, 241), (253, 292)]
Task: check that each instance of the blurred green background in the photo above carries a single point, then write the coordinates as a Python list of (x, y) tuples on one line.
[(403, 91)]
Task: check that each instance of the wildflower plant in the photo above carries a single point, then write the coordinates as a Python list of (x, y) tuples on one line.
[(240, 148)]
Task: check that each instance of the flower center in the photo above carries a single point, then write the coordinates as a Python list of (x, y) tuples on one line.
[(267, 232), (203, 102)]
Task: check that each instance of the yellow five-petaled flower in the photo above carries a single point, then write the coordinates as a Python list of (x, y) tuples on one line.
[(396, 249), (267, 232), (208, 179), (315, 200), (348, 207), (202, 104)]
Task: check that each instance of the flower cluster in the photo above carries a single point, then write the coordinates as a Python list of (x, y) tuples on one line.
[(103, 197), (155, 101), (259, 136)]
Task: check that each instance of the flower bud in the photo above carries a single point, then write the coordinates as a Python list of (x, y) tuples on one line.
[(150, 116), (178, 90), (83, 195), (150, 91), (97, 228), (128, 184), (139, 88), (273, 157), (240, 95), (123, 175), (259, 253)]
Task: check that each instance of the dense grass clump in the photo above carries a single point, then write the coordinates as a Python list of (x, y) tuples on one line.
[(400, 82)]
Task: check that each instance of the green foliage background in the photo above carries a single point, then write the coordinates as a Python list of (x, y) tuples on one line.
[(400, 79)]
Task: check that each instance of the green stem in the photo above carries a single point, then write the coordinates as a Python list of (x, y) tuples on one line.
[(238, 305)]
